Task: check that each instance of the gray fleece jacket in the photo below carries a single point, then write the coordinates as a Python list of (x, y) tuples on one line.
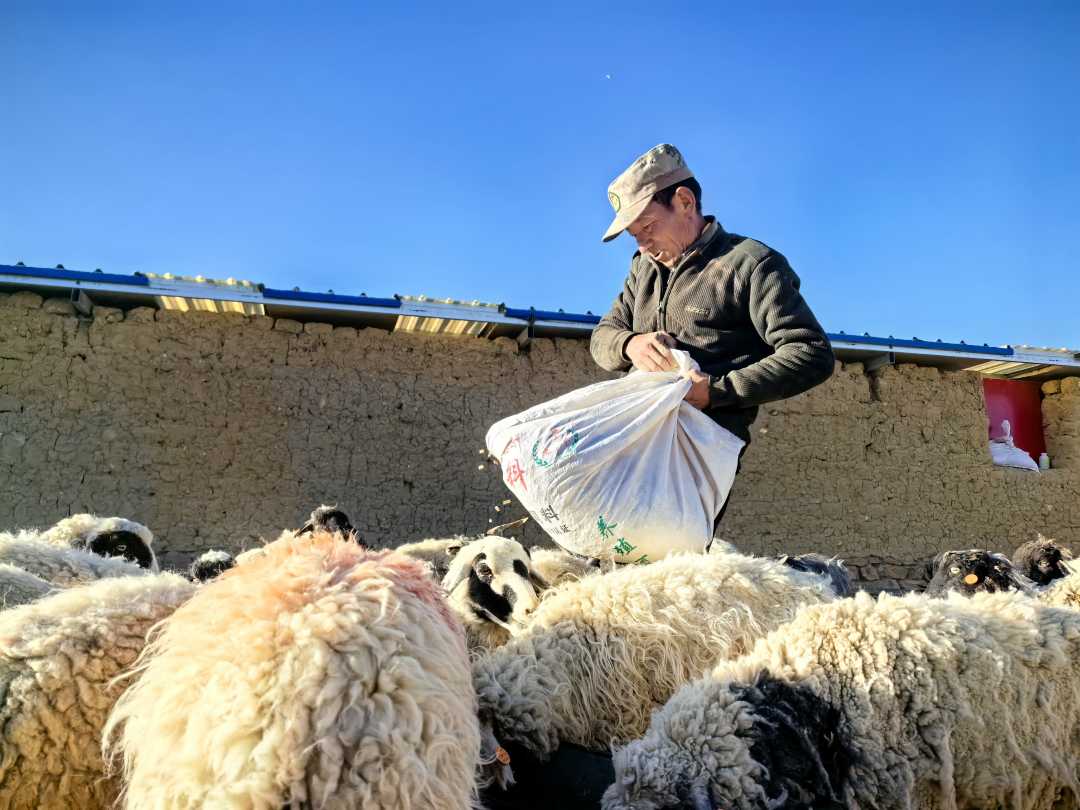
[(732, 303)]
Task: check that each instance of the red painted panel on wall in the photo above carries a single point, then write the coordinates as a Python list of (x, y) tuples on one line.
[(1021, 403)]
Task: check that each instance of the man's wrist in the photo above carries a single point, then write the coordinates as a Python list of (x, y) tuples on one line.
[(714, 390)]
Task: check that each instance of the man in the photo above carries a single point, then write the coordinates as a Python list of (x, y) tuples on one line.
[(731, 302)]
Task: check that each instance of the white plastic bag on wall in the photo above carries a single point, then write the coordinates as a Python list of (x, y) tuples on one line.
[(1006, 454), (623, 469)]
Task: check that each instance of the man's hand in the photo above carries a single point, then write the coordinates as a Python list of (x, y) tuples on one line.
[(698, 395), (649, 352)]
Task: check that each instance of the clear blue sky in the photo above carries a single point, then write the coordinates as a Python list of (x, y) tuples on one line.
[(920, 168)]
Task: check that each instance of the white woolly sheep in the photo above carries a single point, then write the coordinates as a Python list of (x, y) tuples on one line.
[(908, 702), (105, 536), (482, 574), (330, 677), (19, 587), (598, 655), (210, 564), (975, 570), (491, 585), (60, 565), (58, 657), (1042, 560)]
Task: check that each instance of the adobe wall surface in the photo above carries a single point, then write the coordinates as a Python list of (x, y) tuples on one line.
[(217, 429)]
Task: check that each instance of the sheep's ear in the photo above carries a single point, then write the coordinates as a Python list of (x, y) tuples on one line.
[(782, 559), (452, 550), (307, 528)]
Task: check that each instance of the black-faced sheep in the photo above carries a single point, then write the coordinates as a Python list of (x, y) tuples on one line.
[(492, 586), (598, 655), (106, 537), (58, 658), (1042, 560), (489, 580), (210, 564), (908, 702), (330, 677), (330, 519), (973, 571)]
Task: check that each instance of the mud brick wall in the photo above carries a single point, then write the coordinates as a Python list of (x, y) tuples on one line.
[(218, 429), (1061, 422)]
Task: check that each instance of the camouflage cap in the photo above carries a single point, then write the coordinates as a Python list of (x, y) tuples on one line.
[(630, 192)]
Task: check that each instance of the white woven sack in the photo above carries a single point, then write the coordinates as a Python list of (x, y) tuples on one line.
[(622, 469)]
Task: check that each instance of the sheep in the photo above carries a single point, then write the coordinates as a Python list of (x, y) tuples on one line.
[(491, 585), (481, 581), (58, 657), (599, 654), (975, 570), (883, 704), (18, 587), (59, 565), (106, 536), (330, 519), (210, 564), (332, 677), (830, 568), (1042, 560)]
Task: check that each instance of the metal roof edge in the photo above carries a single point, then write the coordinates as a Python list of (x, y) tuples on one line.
[(532, 314), (915, 343), (73, 275), (330, 298), (553, 322)]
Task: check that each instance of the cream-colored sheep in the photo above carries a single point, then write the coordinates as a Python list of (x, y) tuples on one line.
[(914, 703), (58, 657), (315, 674), (600, 654)]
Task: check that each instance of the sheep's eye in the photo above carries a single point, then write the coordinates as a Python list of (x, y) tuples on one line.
[(483, 570), (520, 569)]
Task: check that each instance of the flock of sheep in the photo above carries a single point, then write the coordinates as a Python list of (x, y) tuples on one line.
[(315, 673)]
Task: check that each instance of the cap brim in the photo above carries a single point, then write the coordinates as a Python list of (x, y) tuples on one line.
[(625, 218)]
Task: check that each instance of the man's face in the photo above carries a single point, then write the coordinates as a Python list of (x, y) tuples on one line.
[(664, 233)]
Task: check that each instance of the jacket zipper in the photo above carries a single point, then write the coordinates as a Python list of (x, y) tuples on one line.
[(672, 274)]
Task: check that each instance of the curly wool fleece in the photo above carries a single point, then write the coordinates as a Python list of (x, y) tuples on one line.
[(58, 659), (332, 677), (901, 703)]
